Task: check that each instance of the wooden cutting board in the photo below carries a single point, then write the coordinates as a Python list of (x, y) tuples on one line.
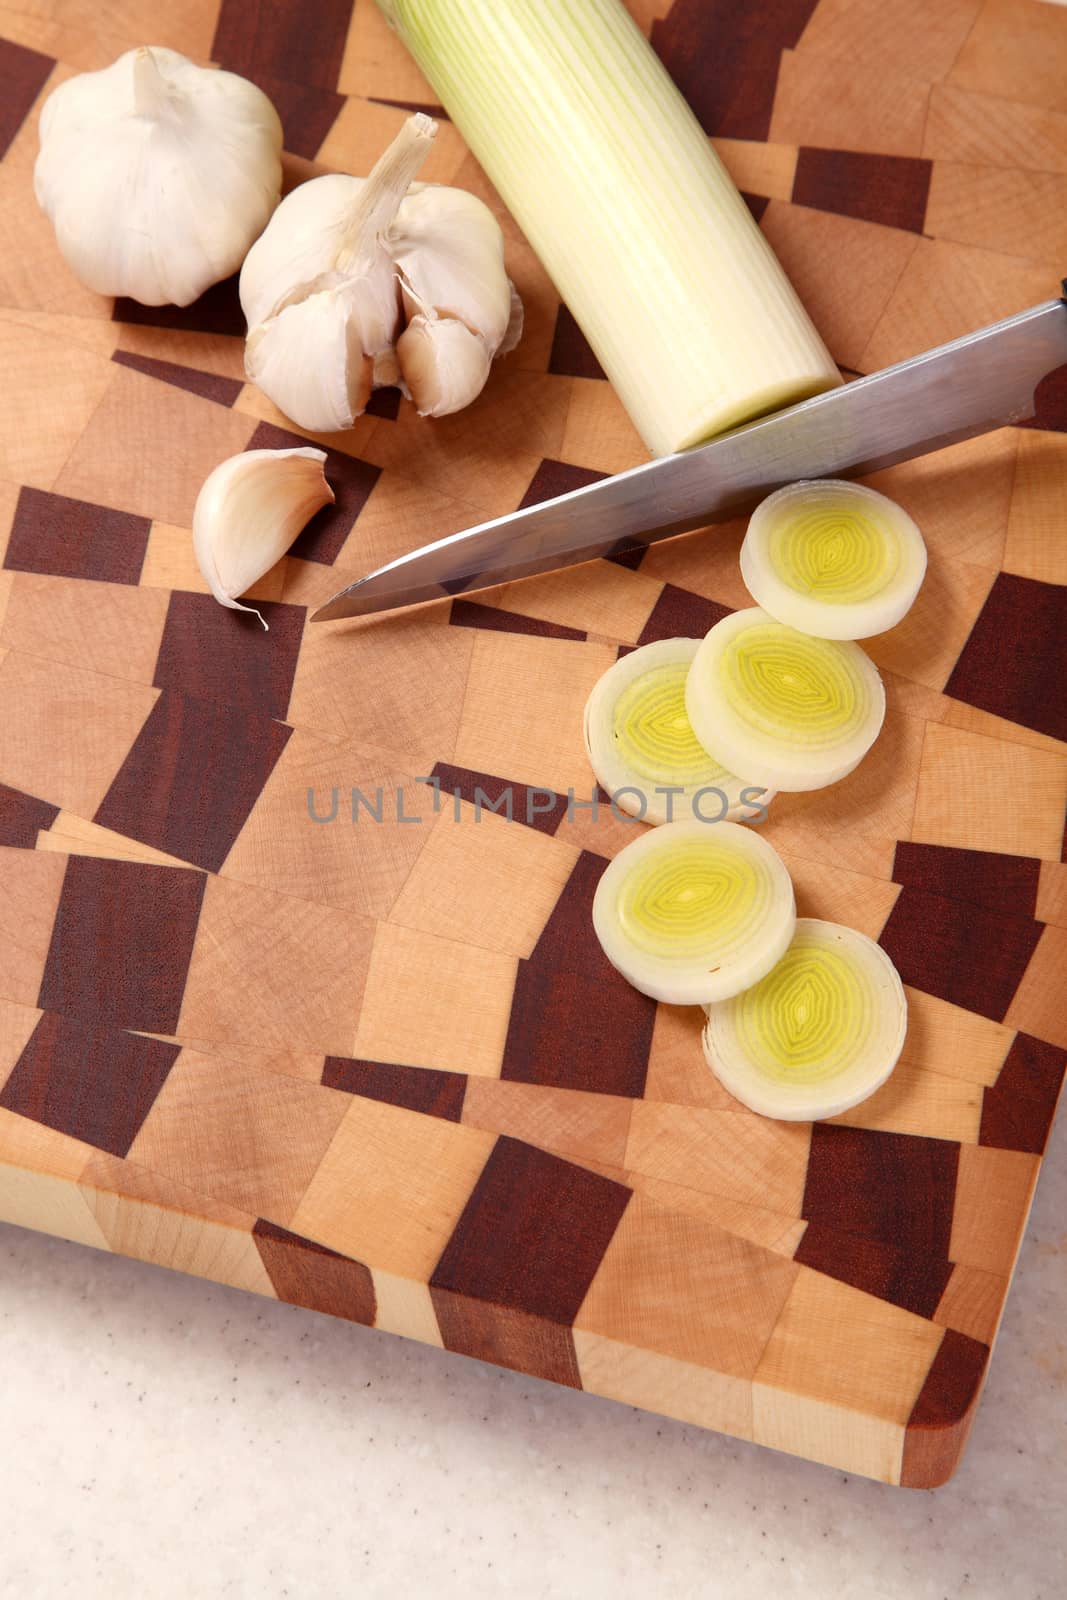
[(379, 1067)]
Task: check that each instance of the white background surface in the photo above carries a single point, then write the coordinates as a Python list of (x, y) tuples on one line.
[(160, 1436)]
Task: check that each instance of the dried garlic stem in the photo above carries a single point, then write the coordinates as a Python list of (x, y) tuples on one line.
[(386, 185)]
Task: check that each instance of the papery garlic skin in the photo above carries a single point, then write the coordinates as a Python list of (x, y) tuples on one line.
[(157, 174), (249, 511), (359, 283)]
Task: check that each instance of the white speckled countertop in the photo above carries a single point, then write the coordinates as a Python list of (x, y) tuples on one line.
[(166, 1437)]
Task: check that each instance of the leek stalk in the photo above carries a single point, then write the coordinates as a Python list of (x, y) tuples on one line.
[(619, 191)]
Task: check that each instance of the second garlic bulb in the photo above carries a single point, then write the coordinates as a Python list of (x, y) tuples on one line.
[(157, 174), (359, 283)]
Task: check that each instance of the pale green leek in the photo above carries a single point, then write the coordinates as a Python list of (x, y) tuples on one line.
[(694, 912), (642, 747), (617, 188), (821, 1032), (833, 559), (791, 711)]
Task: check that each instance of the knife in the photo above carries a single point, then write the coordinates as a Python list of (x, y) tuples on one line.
[(982, 381)]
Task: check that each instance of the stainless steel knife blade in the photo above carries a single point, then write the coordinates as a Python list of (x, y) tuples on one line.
[(973, 384)]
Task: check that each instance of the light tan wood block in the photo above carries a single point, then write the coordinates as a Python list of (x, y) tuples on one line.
[(433, 1002), (836, 894), (930, 1105), (488, 453), (955, 1043), (484, 881), (664, 1384), (1052, 893), (392, 1187), (949, 289), (682, 1287), (1035, 545), (646, 12), (843, 269), (972, 1302), (865, 109), (772, 1230), (758, 168), (927, 643), (873, 806), (960, 497), (152, 1219), (92, 333), (992, 131), (971, 719), (1015, 51), (731, 1153), (275, 970), (994, 1189), (704, 562), (149, 446), (909, 37), (38, 434), (221, 354), (522, 712), (1040, 1003), (32, 886), (17, 1023), (356, 866), (597, 597), (60, 30), (840, 1375), (375, 62), (400, 514), (405, 1307), (107, 627), (250, 1139), (420, 673), (39, 1181), (568, 1122), (74, 733), (982, 794), (677, 1072), (1020, 213), (72, 835), (598, 433)]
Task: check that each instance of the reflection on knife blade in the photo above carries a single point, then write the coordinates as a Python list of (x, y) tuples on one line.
[(979, 382)]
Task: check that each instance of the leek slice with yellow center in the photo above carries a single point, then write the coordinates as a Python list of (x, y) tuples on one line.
[(833, 559), (821, 1032), (694, 912), (791, 711), (642, 747)]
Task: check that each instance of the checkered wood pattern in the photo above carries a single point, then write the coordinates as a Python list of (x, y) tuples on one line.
[(381, 1069)]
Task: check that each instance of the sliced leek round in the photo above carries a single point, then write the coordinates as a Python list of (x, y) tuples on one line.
[(833, 559), (643, 750), (791, 711), (694, 912), (818, 1034)]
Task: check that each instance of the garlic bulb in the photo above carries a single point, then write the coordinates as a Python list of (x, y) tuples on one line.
[(362, 282), (157, 174), (249, 511)]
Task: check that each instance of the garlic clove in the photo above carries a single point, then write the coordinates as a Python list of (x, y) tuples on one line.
[(311, 363), (157, 174), (249, 511), (299, 247), (443, 363), (449, 252)]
